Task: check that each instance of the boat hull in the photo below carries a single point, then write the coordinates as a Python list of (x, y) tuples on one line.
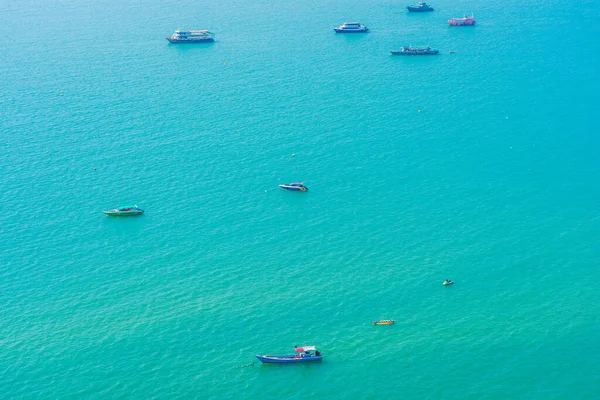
[(417, 9), (192, 41), (408, 53), (294, 188), (338, 30), (122, 213), (287, 359), (461, 23)]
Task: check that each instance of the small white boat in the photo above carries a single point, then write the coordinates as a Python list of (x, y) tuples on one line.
[(191, 36), (124, 211), (351, 27)]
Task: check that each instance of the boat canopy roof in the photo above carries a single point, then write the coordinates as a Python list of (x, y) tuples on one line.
[(296, 183), (124, 207), (193, 32), (305, 348)]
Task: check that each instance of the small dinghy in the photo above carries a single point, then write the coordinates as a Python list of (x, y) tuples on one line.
[(448, 282), (384, 322)]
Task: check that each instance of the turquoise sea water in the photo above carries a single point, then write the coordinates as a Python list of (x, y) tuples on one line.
[(494, 184)]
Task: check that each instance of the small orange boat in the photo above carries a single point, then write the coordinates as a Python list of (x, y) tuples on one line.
[(384, 322)]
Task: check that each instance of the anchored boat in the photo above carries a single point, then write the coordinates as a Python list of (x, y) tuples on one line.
[(303, 354), (294, 186), (384, 322), (465, 21), (420, 7), (351, 27), (191, 36), (124, 211), (414, 51)]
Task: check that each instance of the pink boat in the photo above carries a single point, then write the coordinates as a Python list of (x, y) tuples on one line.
[(465, 21)]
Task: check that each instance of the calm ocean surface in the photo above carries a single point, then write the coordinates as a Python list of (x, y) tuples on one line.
[(493, 183)]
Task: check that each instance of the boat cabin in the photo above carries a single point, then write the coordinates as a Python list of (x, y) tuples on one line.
[(187, 33), (410, 48), (127, 208), (307, 351), (352, 25)]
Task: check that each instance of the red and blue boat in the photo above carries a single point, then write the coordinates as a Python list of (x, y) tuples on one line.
[(294, 186), (303, 354), (464, 21)]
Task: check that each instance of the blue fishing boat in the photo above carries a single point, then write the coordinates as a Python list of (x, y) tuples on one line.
[(420, 7), (303, 354), (294, 186)]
